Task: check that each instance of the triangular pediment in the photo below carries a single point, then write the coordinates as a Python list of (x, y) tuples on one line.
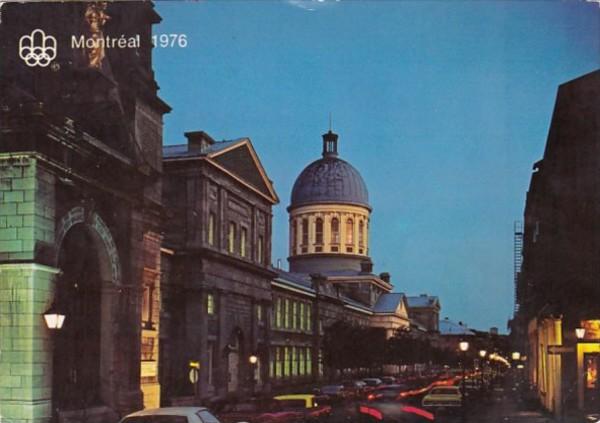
[(241, 160)]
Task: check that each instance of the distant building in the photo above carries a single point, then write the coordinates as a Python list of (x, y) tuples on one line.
[(451, 333), (558, 288), (425, 310)]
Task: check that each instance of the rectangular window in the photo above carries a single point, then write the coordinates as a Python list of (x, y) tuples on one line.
[(302, 316), (259, 250), (294, 362), (278, 363), (301, 362), (210, 304), (243, 237), (294, 314), (308, 318), (286, 362), (308, 361), (272, 364), (320, 362), (287, 313), (231, 238), (259, 313), (211, 228), (278, 313)]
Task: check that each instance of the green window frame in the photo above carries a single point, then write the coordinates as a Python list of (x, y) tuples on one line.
[(286, 313), (210, 304)]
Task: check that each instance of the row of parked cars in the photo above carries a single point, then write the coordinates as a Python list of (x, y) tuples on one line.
[(293, 408)]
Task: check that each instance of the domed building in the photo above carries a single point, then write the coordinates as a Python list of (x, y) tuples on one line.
[(329, 215), (330, 275)]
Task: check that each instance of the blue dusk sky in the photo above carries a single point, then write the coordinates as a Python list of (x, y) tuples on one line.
[(442, 106)]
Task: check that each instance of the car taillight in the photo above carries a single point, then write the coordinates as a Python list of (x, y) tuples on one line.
[(372, 397), (419, 412), (371, 412)]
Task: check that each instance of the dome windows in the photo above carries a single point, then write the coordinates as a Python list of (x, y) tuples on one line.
[(318, 235), (349, 235)]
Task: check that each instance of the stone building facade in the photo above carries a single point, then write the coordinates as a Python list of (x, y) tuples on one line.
[(557, 290), (80, 216), (217, 295)]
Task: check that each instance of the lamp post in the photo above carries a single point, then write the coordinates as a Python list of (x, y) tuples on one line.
[(482, 354), (464, 347), (253, 360)]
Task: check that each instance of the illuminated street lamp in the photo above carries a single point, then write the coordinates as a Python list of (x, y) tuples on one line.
[(253, 360), (516, 355), (482, 354), (580, 333), (54, 318), (463, 346)]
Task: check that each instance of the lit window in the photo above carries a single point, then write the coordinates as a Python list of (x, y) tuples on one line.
[(278, 360), (231, 238), (210, 304), (308, 361), (259, 249), (302, 316), (319, 231), (286, 361), (349, 231), (259, 315), (147, 306), (286, 313), (278, 313), (294, 314), (301, 362), (308, 321), (243, 236), (211, 228), (335, 231), (294, 362)]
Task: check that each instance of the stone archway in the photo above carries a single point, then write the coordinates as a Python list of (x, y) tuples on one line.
[(84, 355)]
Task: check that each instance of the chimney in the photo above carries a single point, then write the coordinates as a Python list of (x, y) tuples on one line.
[(366, 266), (198, 141), (385, 276)]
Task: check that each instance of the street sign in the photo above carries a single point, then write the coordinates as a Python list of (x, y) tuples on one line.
[(193, 375), (560, 349)]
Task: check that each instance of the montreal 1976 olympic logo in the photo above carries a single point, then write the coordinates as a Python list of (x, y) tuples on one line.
[(37, 49)]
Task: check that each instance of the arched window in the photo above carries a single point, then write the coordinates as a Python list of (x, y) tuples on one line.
[(349, 231), (361, 233), (304, 231), (335, 231), (319, 231)]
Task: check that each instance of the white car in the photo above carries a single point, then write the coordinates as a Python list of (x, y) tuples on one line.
[(171, 415)]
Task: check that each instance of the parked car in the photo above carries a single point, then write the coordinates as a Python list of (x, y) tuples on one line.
[(354, 388), (336, 393), (388, 380), (372, 382), (393, 413), (387, 392), (305, 403), (443, 397), (171, 415), (258, 411)]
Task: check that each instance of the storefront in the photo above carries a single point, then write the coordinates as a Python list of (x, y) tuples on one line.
[(588, 365)]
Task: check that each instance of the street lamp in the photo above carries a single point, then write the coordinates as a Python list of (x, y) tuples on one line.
[(482, 354), (516, 355), (253, 360), (54, 318), (463, 346)]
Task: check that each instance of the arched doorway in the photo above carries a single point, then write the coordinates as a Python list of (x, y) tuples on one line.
[(76, 378), (85, 364), (234, 349)]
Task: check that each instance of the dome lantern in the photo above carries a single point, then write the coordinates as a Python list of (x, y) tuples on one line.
[(330, 140)]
